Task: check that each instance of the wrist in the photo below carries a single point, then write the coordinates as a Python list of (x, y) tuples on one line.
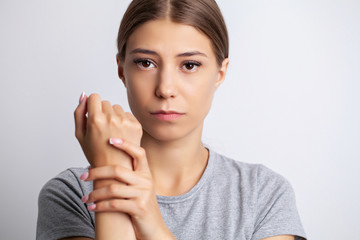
[(118, 158)]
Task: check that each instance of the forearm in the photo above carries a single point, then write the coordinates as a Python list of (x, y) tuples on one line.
[(113, 225)]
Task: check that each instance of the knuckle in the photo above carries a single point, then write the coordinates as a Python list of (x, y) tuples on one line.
[(117, 106), (112, 189), (126, 123), (129, 115), (95, 120), (98, 120), (106, 102), (141, 205), (118, 109), (113, 204), (113, 120), (117, 170)]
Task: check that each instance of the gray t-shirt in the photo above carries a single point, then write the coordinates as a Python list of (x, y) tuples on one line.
[(232, 200)]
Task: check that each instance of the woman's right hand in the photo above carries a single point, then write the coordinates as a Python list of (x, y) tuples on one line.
[(102, 122)]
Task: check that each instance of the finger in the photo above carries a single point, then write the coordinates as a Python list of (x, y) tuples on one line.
[(114, 205), (106, 107), (94, 105), (118, 110), (80, 117), (110, 192), (134, 151), (117, 172)]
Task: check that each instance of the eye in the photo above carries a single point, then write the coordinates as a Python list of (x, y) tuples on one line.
[(191, 66), (144, 63)]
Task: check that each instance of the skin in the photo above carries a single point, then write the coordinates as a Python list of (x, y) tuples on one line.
[(177, 72), (166, 83)]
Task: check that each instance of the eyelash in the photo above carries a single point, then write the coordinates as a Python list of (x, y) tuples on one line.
[(139, 61)]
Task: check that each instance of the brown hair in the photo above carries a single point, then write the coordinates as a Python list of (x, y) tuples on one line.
[(204, 15)]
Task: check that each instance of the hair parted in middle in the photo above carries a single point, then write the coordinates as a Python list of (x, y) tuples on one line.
[(204, 15)]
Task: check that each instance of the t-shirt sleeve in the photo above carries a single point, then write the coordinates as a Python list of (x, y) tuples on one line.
[(61, 213), (276, 211)]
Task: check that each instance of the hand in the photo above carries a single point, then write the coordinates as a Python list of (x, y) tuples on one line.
[(104, 121), (135, 197)]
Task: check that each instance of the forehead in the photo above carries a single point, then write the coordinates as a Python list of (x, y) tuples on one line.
[(169, 38)]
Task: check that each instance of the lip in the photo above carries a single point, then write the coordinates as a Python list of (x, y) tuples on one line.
[(167, 115)]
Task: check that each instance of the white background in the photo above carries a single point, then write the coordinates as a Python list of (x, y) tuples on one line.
[(290, 99)]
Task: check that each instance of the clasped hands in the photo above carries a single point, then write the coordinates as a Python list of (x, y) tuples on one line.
[(110, 139)]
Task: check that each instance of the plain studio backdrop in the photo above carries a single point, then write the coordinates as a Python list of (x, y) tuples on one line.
[(290, 99)]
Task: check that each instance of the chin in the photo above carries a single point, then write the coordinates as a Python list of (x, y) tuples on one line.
[(164, 134), (167, 133)]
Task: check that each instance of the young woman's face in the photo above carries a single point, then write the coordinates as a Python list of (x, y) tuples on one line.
[(171, 74)]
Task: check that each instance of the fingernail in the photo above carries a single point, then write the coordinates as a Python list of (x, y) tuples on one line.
[(81, 97), (115, 141), (92, 207), (84, 176), (85, 198)]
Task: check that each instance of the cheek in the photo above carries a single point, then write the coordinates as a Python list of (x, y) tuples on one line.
[(139, 93), (200, 93), (139, 84), (203, 87)]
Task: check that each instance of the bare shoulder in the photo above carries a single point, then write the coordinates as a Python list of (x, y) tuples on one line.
[(281, 237)]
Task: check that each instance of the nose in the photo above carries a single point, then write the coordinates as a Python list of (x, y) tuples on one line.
[(166, 85)]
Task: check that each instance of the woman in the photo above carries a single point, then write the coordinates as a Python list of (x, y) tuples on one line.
[(153, 178)]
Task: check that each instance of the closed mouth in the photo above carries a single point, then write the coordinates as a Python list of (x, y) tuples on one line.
[(167, 115)]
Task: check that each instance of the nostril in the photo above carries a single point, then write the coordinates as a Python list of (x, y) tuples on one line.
[(166, 94), (167, 83), (165, 91)]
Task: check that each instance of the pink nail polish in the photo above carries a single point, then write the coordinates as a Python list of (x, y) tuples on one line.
[(115, 141), (85, 198), (92, 207), (81, 97), (84, 176)]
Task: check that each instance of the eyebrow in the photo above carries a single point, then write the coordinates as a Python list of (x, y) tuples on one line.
[(151, 52)]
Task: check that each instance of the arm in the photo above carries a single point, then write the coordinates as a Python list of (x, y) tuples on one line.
[(137, 197), (108, 125), (112, 225), (93, 133)]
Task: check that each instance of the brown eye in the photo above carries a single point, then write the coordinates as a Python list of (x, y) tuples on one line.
[(191, 66), (144, 63)]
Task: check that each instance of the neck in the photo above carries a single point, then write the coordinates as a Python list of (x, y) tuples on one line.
[(176, 165)]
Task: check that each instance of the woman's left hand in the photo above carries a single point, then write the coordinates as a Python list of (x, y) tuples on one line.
[(137, 198)]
